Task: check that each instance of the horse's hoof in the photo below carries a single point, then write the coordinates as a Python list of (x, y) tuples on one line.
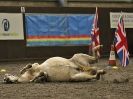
[(102, 72), (98, 76)]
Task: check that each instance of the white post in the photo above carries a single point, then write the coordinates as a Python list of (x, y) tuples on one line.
[(22, 9)]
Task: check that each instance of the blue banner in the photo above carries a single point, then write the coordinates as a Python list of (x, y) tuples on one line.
[(58, 29)]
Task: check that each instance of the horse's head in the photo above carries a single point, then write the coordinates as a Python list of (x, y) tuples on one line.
[(28, 73)]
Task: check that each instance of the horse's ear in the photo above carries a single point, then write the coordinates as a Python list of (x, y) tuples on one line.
[(28, 66), (25, 68)]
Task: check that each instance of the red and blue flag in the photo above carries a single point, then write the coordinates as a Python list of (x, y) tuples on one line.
[(121, 43)]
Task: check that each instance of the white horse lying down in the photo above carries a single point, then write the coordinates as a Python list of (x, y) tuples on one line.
[(76, 68)]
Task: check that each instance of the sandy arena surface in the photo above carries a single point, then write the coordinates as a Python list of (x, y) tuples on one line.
[(101, 89)]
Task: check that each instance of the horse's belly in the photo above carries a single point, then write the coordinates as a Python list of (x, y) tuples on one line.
[(58, 69), (60, 73)]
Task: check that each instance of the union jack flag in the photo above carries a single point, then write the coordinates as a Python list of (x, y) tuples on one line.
[(121, 43), (95, 33)]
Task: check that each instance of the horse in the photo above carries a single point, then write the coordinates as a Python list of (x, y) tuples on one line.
[(59, 69)]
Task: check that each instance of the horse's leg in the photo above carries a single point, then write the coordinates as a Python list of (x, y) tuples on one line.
[(95, 51), (42, 77), (84, 76)]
